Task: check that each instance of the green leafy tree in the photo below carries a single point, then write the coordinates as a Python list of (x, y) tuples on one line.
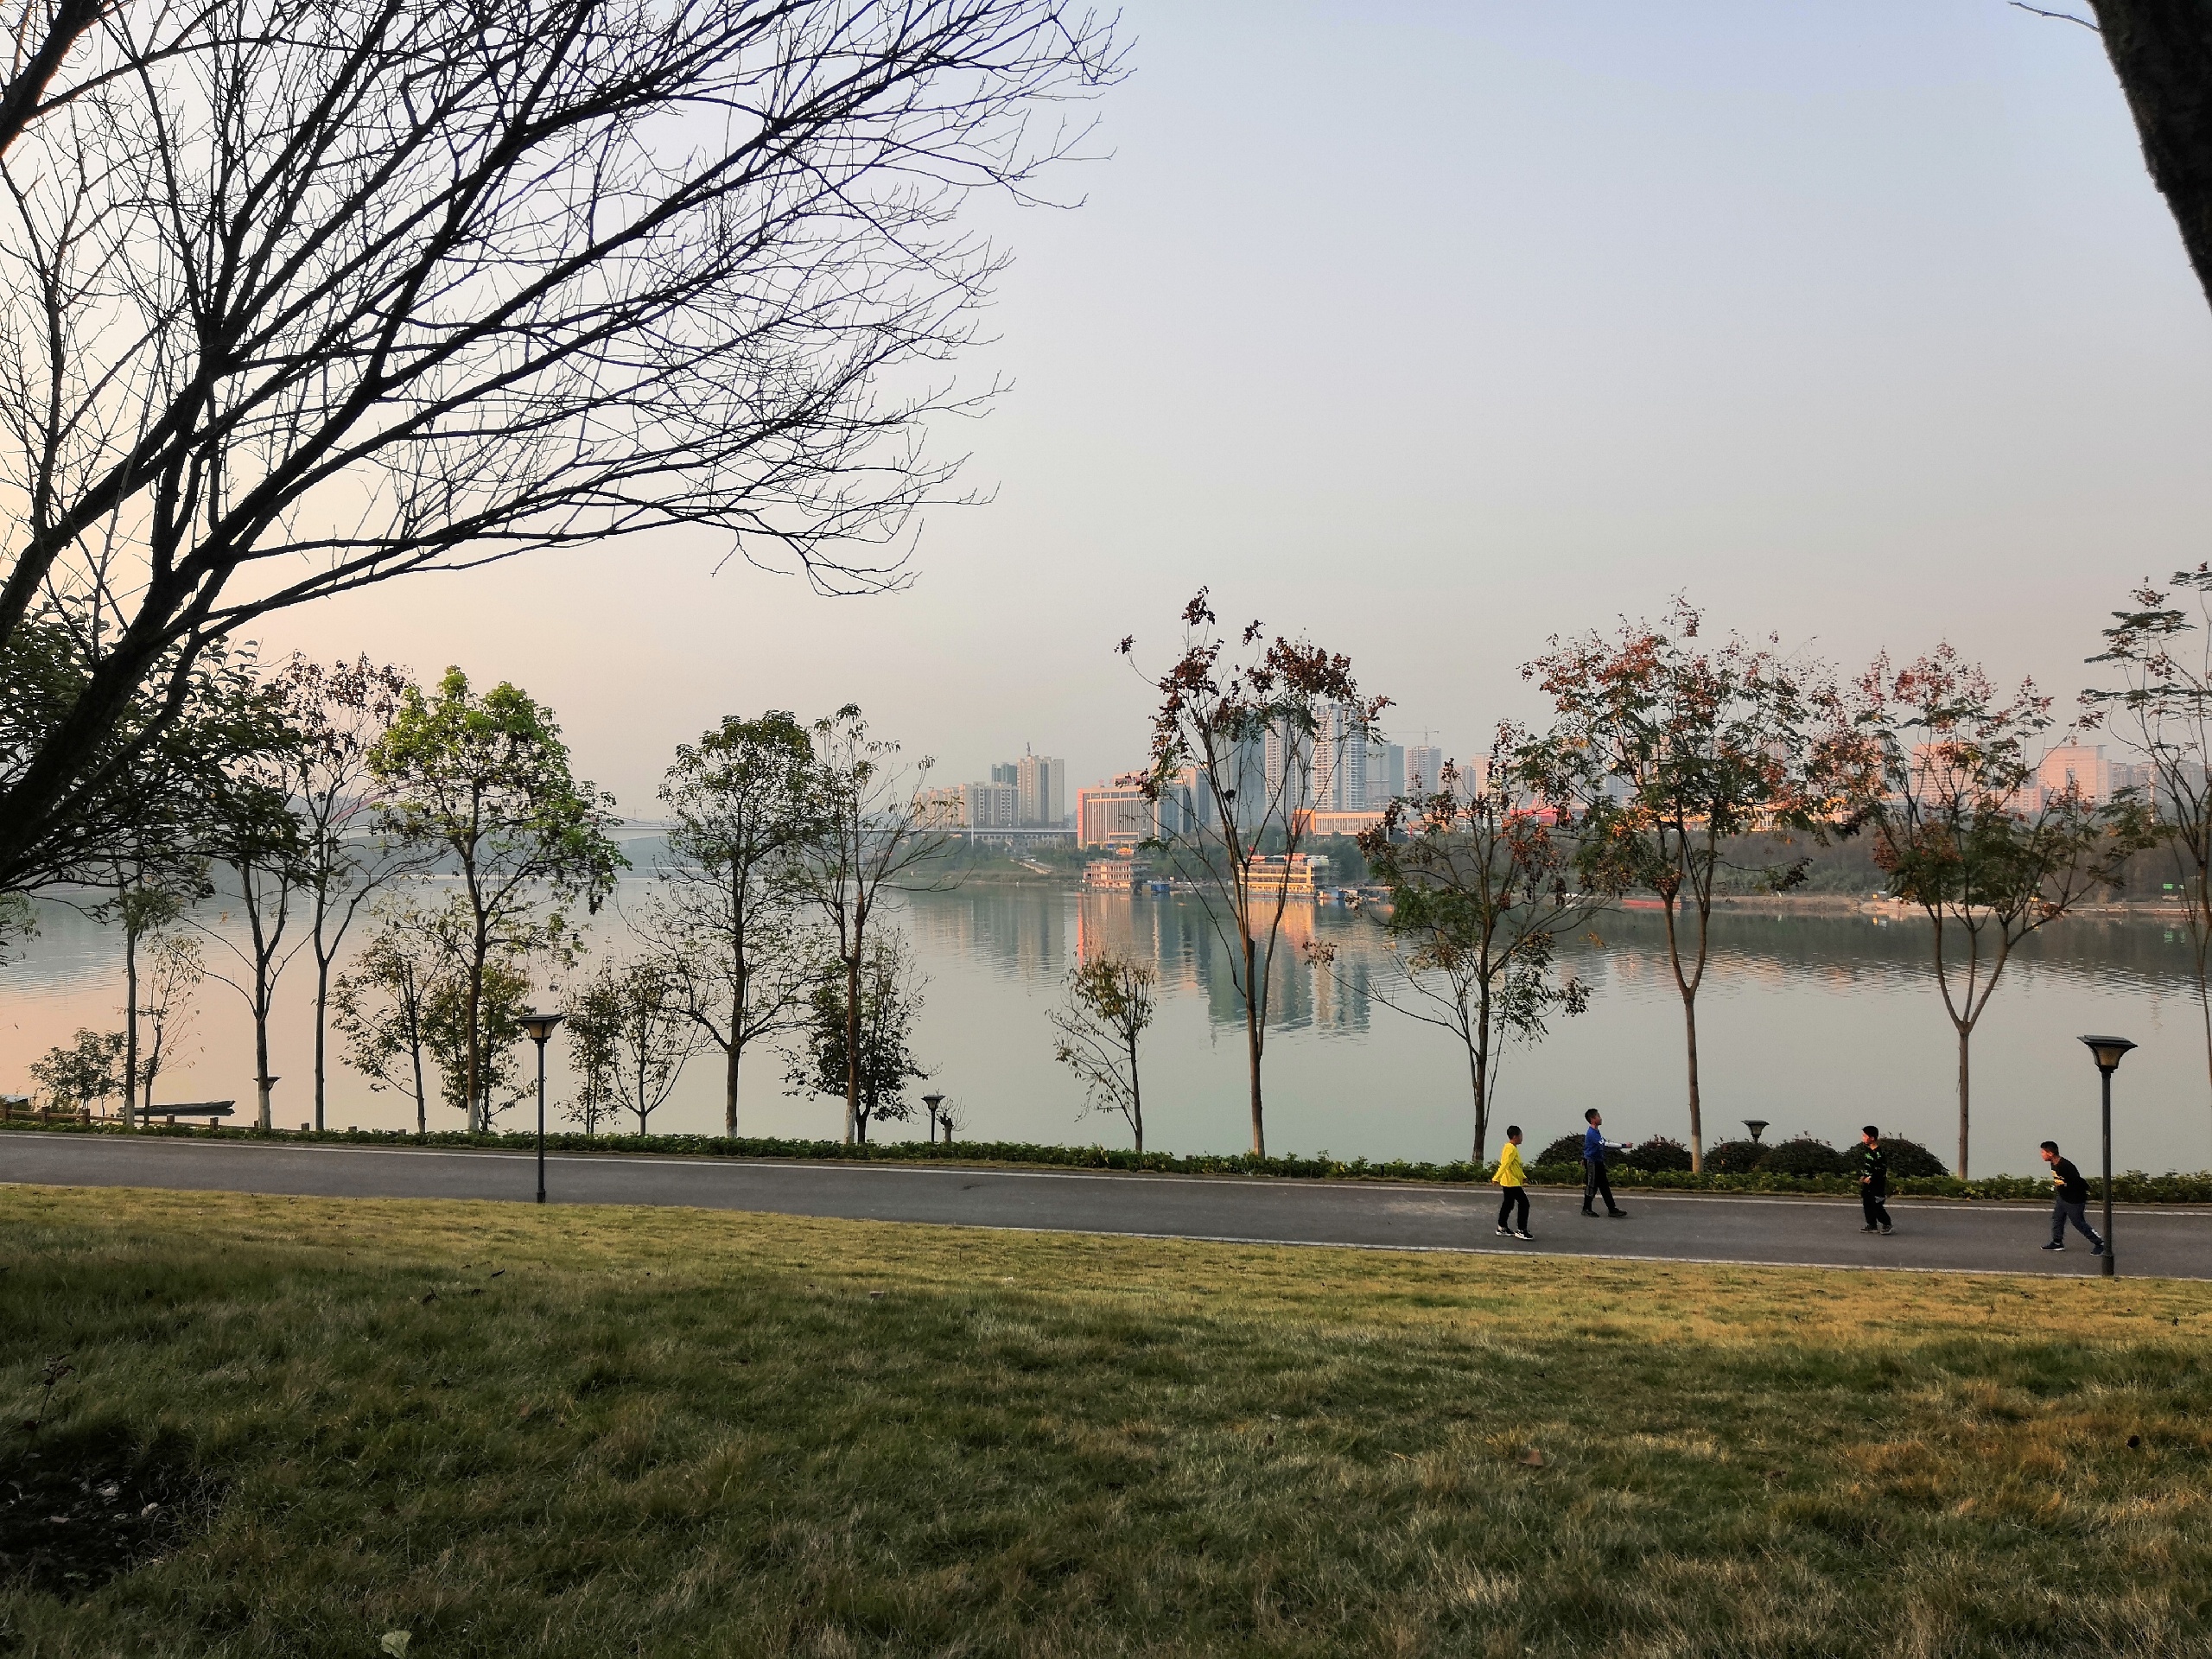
[(491, 1019), (83, 1073), (591, 1020), (1110, 1003), (1228, 818), (485, 783), (1932, 760), (829, 1060), (1479, 877), (1669, 754), (155, 886), (872, 836), (728, 921)]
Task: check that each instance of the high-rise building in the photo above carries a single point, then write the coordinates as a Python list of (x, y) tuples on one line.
[(989, 806), (1424, 769), (1386, 772), (1339, 760), (1007, 772), (1116, 815), (1042, 783)]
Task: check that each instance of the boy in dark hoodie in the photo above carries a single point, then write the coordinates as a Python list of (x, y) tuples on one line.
[(1874, 1180)]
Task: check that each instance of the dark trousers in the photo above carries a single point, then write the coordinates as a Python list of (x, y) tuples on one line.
[(1594, 1182), (2075, 1211), (1509, 1197), (1874, 1200)]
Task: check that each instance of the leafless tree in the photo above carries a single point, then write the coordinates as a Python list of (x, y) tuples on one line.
[(297, 296), (341, 711), (872, 837)]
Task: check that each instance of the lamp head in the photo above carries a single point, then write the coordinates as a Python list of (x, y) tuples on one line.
[(933, 1101), (1757, 1126), (2108, 1051), (540, 1027)]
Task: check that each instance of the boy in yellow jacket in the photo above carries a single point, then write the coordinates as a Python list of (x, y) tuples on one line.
[(1513, 1180)]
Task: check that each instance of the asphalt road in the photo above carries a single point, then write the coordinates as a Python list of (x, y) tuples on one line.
[(1932, 1235)]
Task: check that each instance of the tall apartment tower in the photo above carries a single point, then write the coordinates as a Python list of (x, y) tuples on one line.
[(1424, 769), (1009, 772), (1042, 783), (1339, 761), (1386, 773)]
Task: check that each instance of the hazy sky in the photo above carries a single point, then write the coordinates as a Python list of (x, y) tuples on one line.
[(1432, 329)]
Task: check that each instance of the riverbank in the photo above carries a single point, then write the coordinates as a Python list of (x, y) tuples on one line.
[(2135, 1186)]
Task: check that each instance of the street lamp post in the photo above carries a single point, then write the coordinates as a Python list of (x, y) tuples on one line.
[(933, 1102), (2108, 1051), (540, 1027)]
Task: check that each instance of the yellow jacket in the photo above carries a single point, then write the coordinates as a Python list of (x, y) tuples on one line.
[(1509, 1172)]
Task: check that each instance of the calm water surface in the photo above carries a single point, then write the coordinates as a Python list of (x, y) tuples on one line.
[(1815, 1023)]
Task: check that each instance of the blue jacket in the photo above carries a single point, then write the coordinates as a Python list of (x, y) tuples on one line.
[(1593, 1144)]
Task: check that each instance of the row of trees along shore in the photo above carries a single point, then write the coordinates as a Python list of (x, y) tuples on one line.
[(319, 796), (1680, 768), (451, 824)]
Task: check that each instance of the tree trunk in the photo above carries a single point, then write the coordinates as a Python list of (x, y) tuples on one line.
[(472, 1065), (1476, 1062), (1252, 1045), (321, 1022), (262, 1081), (855, 1130), (1697, 1101), (729, 1089), (1136, 1102), (2162, 52), (421, 1100), (1966, 1035), (131, 1026)]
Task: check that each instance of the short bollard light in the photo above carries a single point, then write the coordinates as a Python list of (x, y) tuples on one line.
[(2108, 1051), (540, 1027)]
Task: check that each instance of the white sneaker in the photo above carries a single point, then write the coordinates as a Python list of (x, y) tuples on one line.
[(1522, 1235), (1503, 1233)]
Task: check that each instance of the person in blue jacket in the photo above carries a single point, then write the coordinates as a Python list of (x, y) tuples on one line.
[(1594, 1148)]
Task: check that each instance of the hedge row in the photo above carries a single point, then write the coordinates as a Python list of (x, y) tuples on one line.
[(2133, 1187)]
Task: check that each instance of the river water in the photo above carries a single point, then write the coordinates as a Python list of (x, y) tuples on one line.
[(1815, 1023)]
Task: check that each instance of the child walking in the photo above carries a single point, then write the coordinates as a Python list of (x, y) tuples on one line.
[(1513, 1183), (1874, 1180)]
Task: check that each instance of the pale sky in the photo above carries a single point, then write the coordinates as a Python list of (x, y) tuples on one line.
[(1430, 330)]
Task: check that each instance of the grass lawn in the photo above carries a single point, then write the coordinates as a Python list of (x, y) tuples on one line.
[(518, 1432)]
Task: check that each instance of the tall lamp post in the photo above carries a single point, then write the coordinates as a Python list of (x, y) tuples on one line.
[(2108, 1051), (933, 1102), (540, 1027)]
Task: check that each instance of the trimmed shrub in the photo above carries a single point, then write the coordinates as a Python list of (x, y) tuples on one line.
[(1909, 1158), (1568, 1150), (1734, 1157), (1657, 1153), (1803, 1156)]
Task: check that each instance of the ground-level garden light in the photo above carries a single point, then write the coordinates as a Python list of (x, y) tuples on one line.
[(2109, 1052), (540, 1027)]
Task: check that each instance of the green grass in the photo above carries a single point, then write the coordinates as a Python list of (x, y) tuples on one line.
[(669, 1431)]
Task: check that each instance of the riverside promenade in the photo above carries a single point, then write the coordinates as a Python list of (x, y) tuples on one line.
[(1932, 1234)]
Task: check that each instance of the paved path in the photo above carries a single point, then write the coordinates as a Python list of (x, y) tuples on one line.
[(2172, 1241)]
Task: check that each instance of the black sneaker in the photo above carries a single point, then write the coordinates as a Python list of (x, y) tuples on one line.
[(1887, 1229), (2054, 1245), (1503, 1232), (1616, 1215), (1593, 1214), (1870, 1229), (1524, 1235), (2097, 1248)]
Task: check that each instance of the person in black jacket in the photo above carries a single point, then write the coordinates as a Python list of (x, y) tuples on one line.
[(1874, 1180), (2071, 1203)]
